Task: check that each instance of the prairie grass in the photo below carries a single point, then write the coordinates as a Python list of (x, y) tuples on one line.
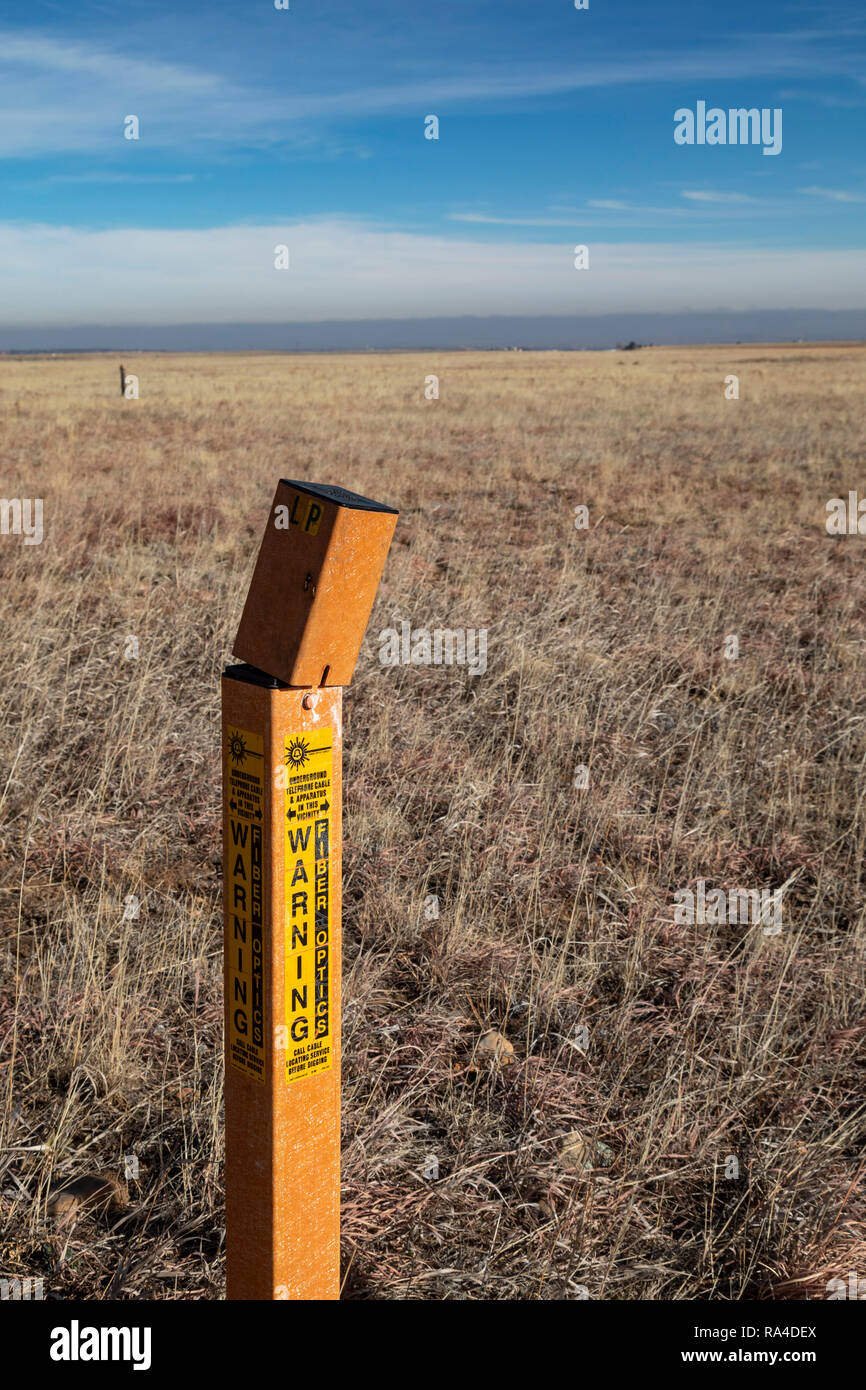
[(680, 1047)]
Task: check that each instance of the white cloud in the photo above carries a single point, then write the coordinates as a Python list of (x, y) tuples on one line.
[(829, 99), (835, 195), (111, 176), (38, 53), (489, 221), (718, 207), (348, 270), (58, 96), (708, 195)]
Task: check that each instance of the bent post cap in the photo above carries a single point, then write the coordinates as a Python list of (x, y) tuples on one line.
[(314, 584)]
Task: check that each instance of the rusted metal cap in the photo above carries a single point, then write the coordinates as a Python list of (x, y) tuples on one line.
[(315, 580)]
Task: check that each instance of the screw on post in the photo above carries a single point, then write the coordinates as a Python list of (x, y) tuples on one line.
[(304, 619)]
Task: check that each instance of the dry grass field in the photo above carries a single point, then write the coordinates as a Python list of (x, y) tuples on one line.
[(679, 1052)]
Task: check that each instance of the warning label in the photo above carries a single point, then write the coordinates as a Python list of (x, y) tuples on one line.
[(309, 767), (244, 896)]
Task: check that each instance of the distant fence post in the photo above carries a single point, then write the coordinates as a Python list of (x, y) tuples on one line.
[(303, 623), (122, 381)]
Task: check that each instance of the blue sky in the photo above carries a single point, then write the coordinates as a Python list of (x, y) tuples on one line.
[(306, 127)]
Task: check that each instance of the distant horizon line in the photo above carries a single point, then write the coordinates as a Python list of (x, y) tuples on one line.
[(450, 333), (432, 347)]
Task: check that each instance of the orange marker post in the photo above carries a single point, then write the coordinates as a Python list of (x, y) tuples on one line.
[(306, 612)]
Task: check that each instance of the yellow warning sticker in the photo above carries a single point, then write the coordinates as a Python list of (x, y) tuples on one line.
[(309, 766), (244, 896)]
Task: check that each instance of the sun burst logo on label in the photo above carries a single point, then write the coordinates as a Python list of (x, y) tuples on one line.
[(237, 747), (297, 753)]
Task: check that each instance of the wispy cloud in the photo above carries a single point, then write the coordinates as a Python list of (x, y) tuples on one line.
[(709, 195), (715, 204), (835, 195), (488, 220), (840, 100), (99, 176), (39, 53), (572, 218), (61, 95)]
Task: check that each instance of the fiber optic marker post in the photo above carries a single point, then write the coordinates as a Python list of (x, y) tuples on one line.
[(305, 616)]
